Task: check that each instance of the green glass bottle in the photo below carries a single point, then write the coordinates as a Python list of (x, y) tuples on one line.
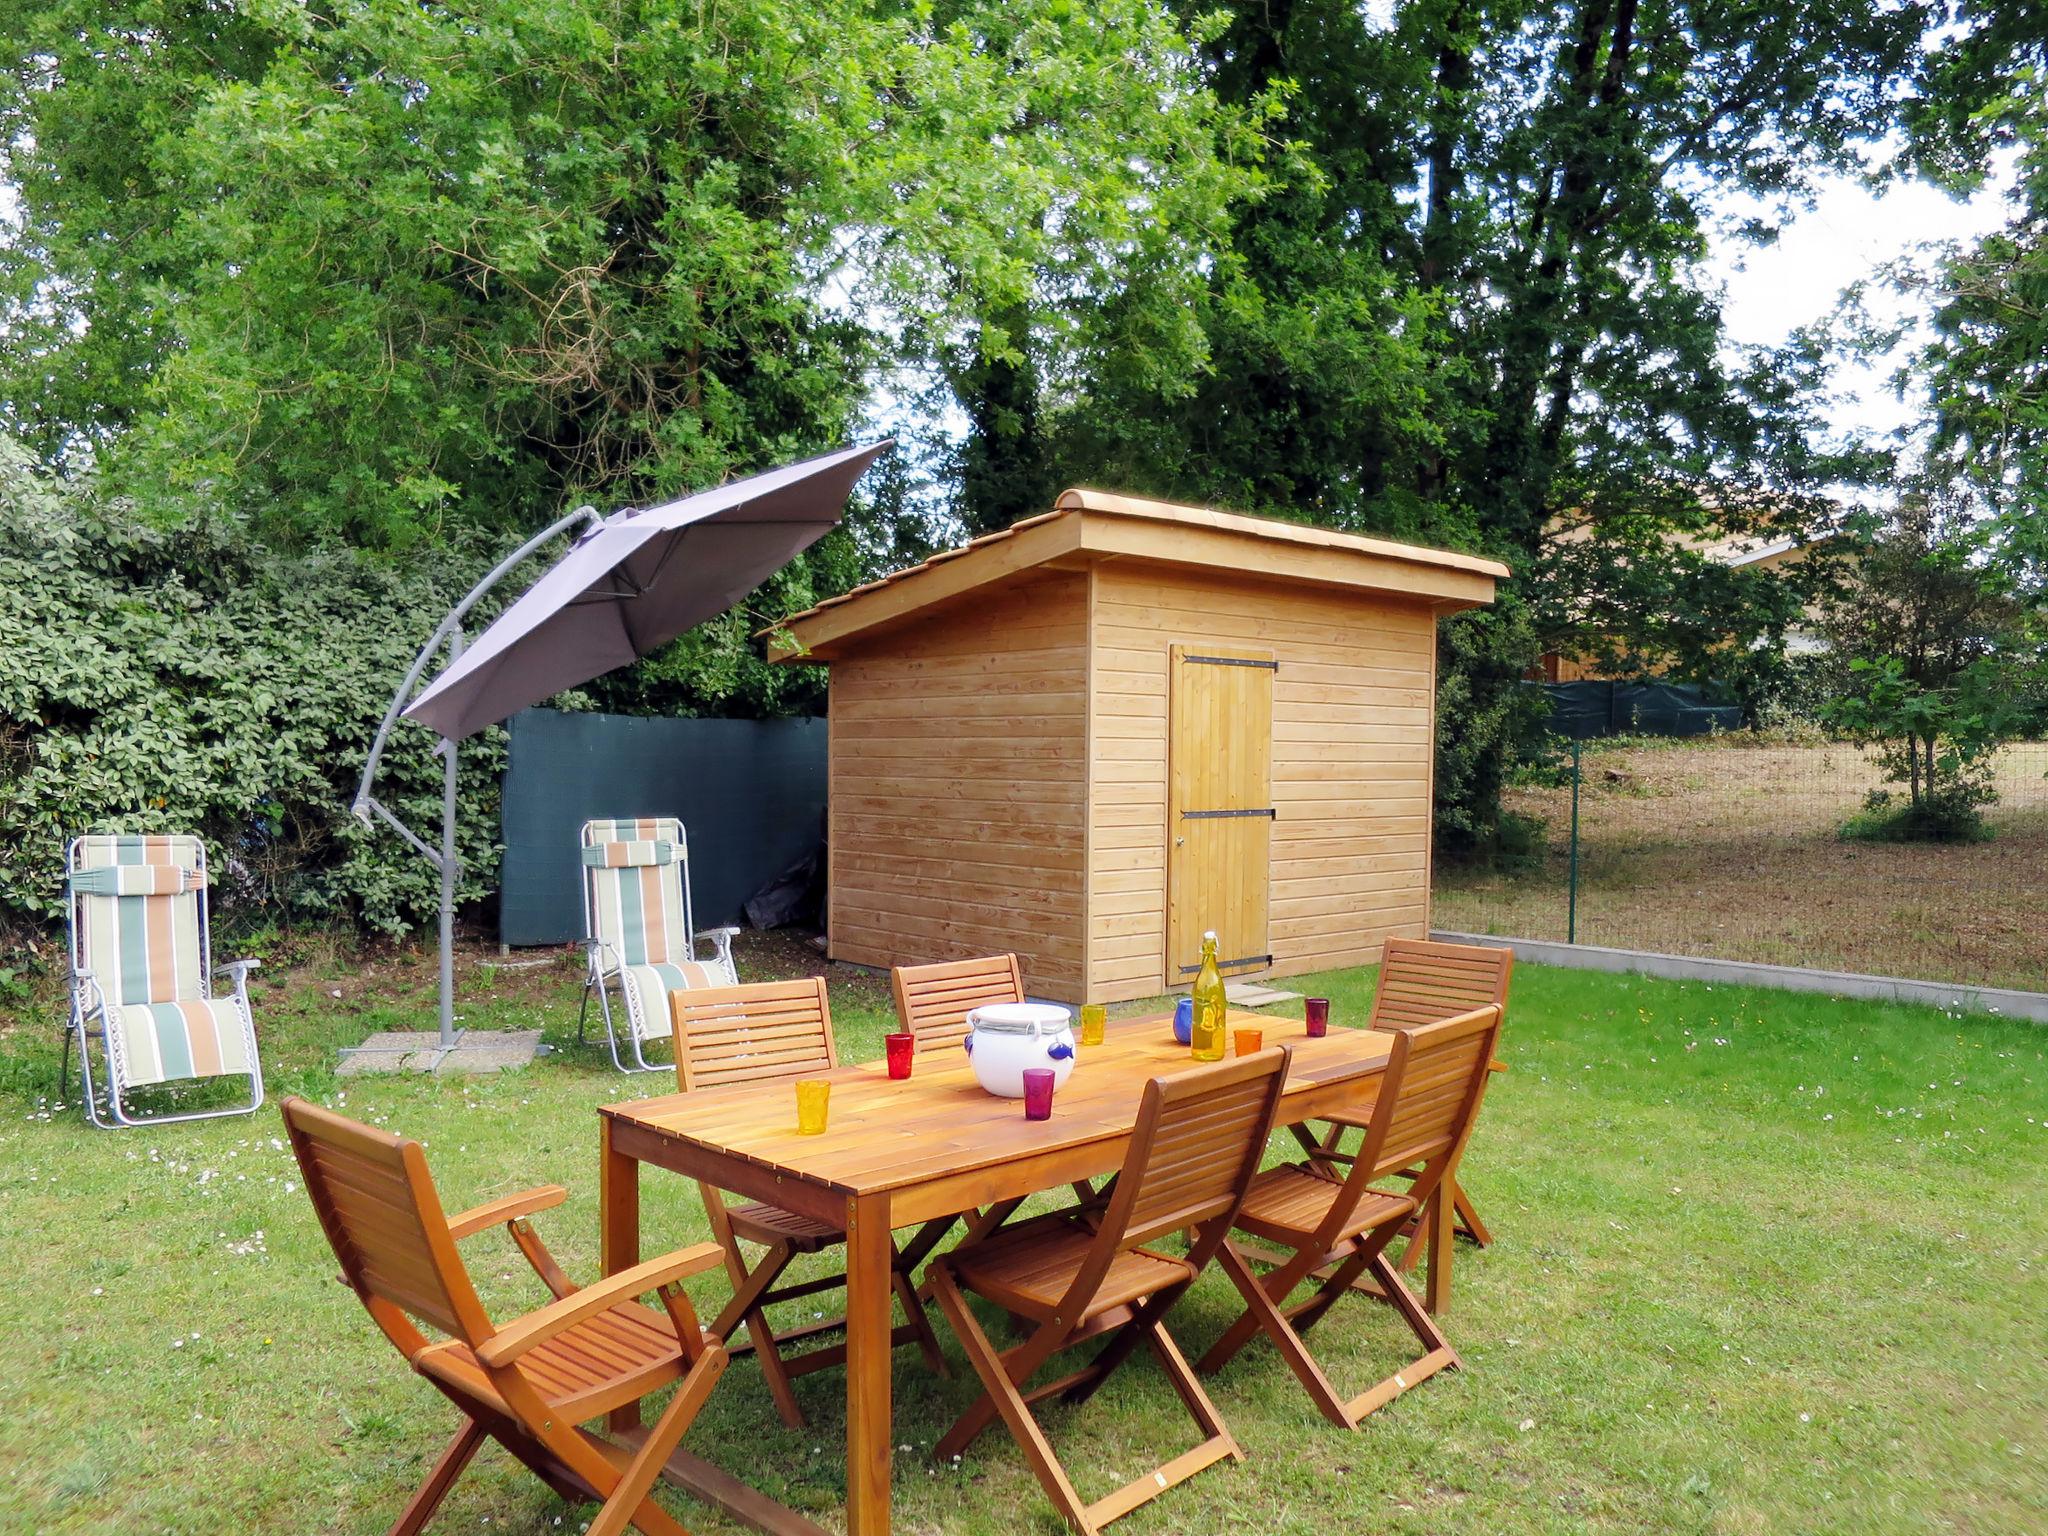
[(1212, 1010)]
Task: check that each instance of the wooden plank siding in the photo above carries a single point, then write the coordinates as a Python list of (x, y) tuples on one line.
[(958, 786), (1352, 752)]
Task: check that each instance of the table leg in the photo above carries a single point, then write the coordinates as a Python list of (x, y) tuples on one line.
[(618, 1205), (1439, 1222), (868, 1327)]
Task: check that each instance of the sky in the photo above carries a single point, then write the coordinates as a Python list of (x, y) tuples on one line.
[(1850, 233)]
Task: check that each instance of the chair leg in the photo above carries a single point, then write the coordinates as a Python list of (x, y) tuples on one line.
[(745, 1307), (611, 1033), (1263, 1312), (1468, 1216), (1001, 1395), (1286, 1275), (1438, 1354), (920, 1325), (923, 1241), (1335, 1284), (628, 1503), (419, 1509)]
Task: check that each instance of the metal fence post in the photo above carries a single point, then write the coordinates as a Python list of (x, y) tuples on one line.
[(1571, 921)]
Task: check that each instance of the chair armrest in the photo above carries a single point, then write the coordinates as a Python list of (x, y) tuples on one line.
[(727, 933), (239, 969), (543, 1197), (602, 959), (83, 982), (542, 1324)]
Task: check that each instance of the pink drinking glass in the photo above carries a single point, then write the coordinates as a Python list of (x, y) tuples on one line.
[(1038, 1093), (1318, 1017)]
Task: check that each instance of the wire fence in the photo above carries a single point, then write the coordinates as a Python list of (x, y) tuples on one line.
[(1725, 848)]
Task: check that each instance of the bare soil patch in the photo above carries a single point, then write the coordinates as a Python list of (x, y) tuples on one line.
[(1728, 850)]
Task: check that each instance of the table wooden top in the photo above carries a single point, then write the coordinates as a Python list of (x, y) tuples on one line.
[(885, 1134)]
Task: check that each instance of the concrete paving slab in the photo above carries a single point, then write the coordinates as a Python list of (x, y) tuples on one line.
[(1253, 994), (419, 1050)]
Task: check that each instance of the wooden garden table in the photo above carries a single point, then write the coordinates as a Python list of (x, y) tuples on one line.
[(900, 1153)]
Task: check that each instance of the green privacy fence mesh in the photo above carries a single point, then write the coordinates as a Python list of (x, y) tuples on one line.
[(750, 795)]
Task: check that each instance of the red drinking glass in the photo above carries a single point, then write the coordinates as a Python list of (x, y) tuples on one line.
[(1318, 1017), (1038, 1093), (901, 1048)]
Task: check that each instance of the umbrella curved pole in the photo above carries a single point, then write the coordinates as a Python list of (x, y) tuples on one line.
[(368, 808), (365, 804)]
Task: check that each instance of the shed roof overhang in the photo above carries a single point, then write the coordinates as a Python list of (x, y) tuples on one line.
[(1086, 527)]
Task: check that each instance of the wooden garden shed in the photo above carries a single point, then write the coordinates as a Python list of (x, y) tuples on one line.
[(1098, 733)]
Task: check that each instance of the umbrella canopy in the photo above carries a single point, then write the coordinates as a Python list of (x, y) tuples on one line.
[(635, 582)]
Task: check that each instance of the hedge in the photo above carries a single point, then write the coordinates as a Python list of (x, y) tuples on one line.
[(152, 681)]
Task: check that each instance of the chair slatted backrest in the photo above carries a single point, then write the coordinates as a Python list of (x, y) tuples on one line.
[(636, 899), (1422, 981), (138, 916), (384, 1220), (933, 1001), (1198, 1141), (1426, 1101), (753, 1033)]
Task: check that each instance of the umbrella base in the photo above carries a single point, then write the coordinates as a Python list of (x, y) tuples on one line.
[(420, 1050)]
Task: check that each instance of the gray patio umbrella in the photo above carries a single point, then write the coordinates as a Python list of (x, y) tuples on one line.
[(629, 583)]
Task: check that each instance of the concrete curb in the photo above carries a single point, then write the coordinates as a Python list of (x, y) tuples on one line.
[(2005, 1001)]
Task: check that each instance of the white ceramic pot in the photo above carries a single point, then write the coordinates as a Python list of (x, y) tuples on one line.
[(1005, 1038)]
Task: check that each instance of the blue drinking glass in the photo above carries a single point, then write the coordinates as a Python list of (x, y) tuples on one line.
[(1184, 1020)]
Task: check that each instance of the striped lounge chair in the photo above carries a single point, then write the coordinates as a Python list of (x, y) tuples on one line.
[(642, 944), (142, 978)]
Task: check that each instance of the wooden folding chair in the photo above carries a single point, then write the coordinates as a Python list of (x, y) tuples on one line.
[(1422, 982), (751, 1034), (1335, 1227), (933, 1001), (1198, 1141), (530, 1384)]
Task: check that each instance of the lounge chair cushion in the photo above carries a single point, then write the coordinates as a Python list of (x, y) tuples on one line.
[(636, 901), (142, 949), (166, 1042), (651, 985)]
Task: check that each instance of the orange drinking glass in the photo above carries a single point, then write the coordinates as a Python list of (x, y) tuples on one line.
[(1248, 1041)]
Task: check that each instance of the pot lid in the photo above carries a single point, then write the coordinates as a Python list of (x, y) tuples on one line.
[(1018, 1019)]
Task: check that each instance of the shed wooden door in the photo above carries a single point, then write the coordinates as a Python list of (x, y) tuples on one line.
[(1219, 808)]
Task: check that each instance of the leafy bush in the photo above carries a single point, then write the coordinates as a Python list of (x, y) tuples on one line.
[(1947, 814), (152, 682)]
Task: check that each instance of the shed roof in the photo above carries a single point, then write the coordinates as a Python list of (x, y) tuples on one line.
[(1086, 526)]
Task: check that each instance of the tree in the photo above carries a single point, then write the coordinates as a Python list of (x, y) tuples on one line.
[(373, 273), (1473, 307), (1942, 668), (1984, 371)]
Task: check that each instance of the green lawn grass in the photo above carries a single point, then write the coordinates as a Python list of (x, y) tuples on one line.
[(1766, 1262)]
